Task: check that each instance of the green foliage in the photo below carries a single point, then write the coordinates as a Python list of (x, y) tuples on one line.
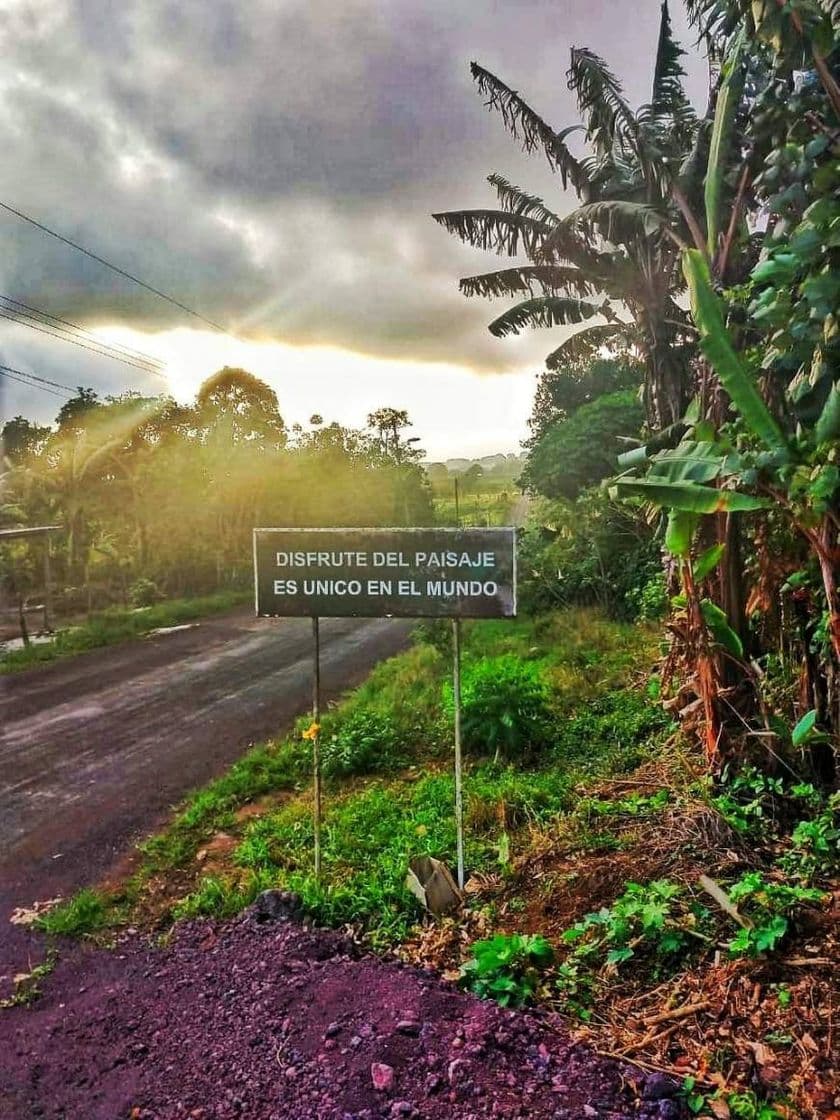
[(644, 917), (576, 453), (591, 551), (769, 907), (363, 743), (144, 592), (507, 968), (747, 801), (504, 706), (84, 913), (815, 843)]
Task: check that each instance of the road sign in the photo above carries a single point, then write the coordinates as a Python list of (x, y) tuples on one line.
[(412, 573), (372, 573)]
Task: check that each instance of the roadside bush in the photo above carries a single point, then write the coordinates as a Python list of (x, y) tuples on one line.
[(507, 968), (363, 743), (504, 706), (144, 593)]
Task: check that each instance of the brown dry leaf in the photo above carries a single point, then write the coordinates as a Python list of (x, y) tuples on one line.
[(719, 1108)]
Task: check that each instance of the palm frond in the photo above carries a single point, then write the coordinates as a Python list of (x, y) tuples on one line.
[(600, 98), (497, 230), (517, 201), (619, 221), (543, 311), (668, 96), (550, 279), (586, 344), (525, 125)]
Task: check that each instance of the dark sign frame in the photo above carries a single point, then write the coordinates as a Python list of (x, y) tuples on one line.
[(385, 573)]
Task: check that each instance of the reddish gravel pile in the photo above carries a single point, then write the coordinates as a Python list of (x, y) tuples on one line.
[(271, 1021)]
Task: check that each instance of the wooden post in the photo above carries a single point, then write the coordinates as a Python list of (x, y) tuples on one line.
[(459, 789), (47, 584), (316, 744)]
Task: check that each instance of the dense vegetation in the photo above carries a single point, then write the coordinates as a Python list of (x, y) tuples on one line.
[(155, 499), (734, 465)]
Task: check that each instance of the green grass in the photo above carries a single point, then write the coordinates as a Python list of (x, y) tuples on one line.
[(117, 625), (394, 732), (85, 912)]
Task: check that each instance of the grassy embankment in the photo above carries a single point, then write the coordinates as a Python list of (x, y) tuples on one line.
[(106, 628), (586, 858)]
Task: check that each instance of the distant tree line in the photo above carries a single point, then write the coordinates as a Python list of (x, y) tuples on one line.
[(157, 498)]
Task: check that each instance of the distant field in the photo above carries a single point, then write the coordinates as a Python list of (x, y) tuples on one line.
[(489, 504)]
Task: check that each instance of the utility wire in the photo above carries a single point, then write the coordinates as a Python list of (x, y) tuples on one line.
[(7, 313), (148, 358), (44, 380), (113, 267), (43, 388)]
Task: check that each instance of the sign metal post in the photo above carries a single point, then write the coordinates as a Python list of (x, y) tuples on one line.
[(316, 741), (459, 786), (386, 573)]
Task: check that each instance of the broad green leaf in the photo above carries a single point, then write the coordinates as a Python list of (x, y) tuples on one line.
[(728, 99), (687, 496), (708, 561), (680, 532), (803, 728), (716, 345), (828, 424), (720, 629)]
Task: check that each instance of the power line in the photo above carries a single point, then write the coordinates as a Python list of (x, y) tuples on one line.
[(128, 350), (13, 317), (44, 380), (43, 388), (113, 267)]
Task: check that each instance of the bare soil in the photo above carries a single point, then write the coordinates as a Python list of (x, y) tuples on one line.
[(273, 1021)]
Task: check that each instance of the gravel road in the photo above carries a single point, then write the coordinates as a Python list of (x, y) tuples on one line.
[(95, 750)]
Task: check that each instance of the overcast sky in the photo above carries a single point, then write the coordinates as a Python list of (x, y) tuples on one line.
[(274, 165)]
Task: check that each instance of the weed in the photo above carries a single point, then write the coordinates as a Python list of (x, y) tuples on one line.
[(507, 968), (645, 916), (28, 986), (769, 907), (85, 912), (504, 706)]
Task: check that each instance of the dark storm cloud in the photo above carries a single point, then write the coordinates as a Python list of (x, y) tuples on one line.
[(274, 164)]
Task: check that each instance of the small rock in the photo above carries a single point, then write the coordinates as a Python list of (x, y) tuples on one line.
[(332, 1030), (277, 906), (658, 1087), (588, 1110), (382, 1076), (402, 1108), (291, 1072), (431, 1084), (458, 1071), (669, 1110), (408, 1026)]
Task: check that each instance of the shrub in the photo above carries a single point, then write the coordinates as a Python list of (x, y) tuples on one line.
[(647, 916), (506, 968), (144, 593), (504, 706), (363, 743), (769, 906)]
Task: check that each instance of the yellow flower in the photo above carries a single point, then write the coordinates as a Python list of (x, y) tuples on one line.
[(311, 731)]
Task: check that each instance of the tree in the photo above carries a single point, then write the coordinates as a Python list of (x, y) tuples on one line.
[(236, 406), (581, 451), (21, 438), (72, 414), (561, 392), (619, 249)]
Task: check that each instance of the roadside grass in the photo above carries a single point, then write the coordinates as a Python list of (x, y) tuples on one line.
[(386, 749), (114, 625)]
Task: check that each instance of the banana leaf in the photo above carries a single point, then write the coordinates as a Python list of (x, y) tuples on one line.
[(717, 346)]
